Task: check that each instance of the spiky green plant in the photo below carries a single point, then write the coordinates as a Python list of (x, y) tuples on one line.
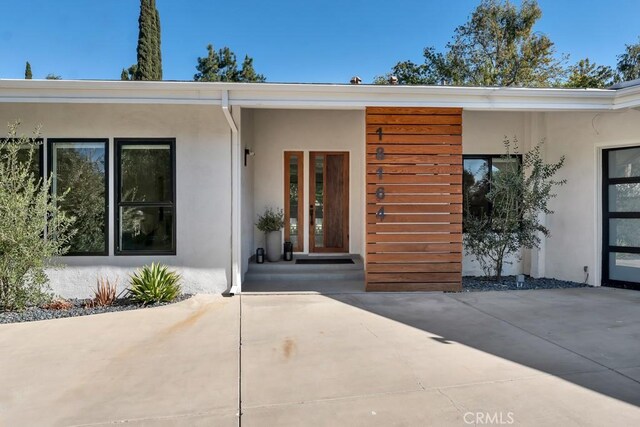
[(155, 283)]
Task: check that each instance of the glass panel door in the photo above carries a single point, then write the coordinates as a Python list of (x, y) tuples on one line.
[(621, 215)]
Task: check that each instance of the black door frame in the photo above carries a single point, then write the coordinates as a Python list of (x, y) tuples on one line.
[(607, 215)]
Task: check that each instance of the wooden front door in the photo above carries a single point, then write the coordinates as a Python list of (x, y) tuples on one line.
[(328, 202)]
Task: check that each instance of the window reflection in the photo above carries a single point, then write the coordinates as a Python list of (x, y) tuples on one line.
[(79, 170)]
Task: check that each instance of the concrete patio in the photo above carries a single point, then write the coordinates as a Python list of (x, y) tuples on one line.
[(557, 357)]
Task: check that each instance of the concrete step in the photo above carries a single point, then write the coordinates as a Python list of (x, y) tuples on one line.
[(292, 266), (295, 275), (290, 272), (305, 286)]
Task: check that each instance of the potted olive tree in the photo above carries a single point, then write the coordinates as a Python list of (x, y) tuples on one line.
[(270, 223)]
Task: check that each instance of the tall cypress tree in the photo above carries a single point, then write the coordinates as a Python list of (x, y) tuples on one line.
[(157, 44), (27, 72), (145, 42), (149, 66)]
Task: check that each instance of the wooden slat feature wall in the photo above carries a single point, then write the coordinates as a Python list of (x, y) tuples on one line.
[(414, 229)]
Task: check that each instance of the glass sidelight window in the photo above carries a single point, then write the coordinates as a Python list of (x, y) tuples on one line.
[(78, 169), (294, 199), (146, 183), (621, 215)]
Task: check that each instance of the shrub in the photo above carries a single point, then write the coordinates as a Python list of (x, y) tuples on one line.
[(32, 228), (271, 220), (518, 196), (58, 304), (104, 294), (155, 283)]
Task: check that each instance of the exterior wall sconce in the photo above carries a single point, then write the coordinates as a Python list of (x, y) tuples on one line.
[(248, 153)]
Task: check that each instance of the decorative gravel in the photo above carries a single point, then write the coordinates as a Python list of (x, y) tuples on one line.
[(78, 309), (508, 283)]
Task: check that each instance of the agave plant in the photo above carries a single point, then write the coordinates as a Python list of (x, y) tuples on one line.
[(155, 283)]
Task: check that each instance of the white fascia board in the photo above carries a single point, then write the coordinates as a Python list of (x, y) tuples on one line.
[(317, 96), (627, 98), (361, 96), (107, 92)]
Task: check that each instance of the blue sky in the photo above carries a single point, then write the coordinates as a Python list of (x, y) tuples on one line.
[(290, 41)]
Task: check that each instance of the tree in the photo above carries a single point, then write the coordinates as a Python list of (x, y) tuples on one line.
[(222, 66), (585, 74), (496, 47), (27, 72), (410, 73), (629, 62), (518, 194), (32, 228), (248, 73), (149, 57), (52, 76)]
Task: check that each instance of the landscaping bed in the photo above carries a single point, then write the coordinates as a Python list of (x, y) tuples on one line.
[(79, 307), (508, 283)]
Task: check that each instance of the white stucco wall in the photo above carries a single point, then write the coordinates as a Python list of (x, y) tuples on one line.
[(247, 138), (483, 133), (203, 186), (277, 131), (576, 225)]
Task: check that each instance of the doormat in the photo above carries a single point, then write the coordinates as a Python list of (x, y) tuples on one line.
[(325, 261)]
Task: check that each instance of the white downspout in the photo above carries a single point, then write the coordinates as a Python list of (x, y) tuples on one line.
[(235, 197)]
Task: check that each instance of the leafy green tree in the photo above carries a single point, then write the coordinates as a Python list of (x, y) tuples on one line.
[(518, 194), (158, 43), (222, 66), (32, 228), (149, 57), (586, 74), (497, 46), (27, 72), (52, 76), (629, 62)]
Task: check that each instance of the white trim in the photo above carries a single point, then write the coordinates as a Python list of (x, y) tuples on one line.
[(330, 96), (236, 199)]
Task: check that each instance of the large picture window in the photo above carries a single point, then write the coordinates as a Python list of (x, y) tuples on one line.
[(146, 182), (479, 171), (78, 168)]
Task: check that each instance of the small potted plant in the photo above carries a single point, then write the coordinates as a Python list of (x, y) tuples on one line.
[(270, 223)]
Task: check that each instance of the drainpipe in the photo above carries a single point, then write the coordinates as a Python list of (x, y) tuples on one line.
[(235, 197)]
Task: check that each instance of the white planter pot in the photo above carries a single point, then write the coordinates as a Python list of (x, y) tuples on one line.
[(274, 245)]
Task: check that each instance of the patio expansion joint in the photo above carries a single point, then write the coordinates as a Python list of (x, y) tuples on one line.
[(605, 367), (154, 418), (421, 389)]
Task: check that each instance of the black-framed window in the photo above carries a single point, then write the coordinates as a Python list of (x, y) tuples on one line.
[(79, 169), (145, 196), (479, 171), (37, 159), (621, 218)]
